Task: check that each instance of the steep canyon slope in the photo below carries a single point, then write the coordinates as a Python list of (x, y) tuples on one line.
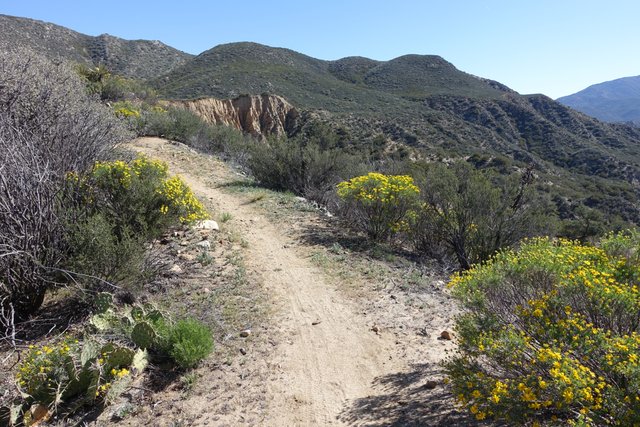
[(257, 115)]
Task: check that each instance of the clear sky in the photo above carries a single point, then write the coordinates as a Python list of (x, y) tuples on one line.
[(555, 47)]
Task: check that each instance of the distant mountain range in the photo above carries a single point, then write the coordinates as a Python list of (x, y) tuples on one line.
[(420, 105), (614, 101)]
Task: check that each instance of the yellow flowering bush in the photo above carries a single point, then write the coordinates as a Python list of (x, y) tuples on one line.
[(379, 204), (144, 195), (123, 204), (552, 334), (181, 201), (125, 110)]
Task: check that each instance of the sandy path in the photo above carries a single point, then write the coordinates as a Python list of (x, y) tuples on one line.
[(328, 356)]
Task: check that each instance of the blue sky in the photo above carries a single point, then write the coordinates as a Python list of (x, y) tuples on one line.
[(555, 47)]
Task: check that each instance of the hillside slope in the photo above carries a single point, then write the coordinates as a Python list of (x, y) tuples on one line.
[(131, 58), (613, 101), (433, 110), (345, 85)]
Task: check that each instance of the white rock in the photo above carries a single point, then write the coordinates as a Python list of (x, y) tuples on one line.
[(176, 269), (205, 244), (208, 224)]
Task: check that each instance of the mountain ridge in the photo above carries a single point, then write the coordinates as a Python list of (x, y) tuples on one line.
[(280, 68), (615, 100)]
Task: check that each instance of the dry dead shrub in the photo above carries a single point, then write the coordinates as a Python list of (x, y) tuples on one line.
[(49, 127)]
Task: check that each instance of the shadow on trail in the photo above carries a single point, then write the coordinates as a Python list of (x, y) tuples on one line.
[(338, 235), (407, 400)]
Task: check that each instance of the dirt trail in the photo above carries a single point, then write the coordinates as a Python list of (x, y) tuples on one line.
[(328, 356)]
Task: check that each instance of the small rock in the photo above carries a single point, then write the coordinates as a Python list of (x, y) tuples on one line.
[(184, 243), (375, 328), (206, 290), (317, 322), (245, 333), (186, 257), (430, 385), (445, 335), (175, 269), (243, 351), (208, 224), (205, 244)]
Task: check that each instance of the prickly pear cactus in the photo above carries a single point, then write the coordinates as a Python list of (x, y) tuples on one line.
[(137, 313), (93, 375), (155, 316), (90, 352), (140, 360), (117, 356), (103, 302), (143, 335)]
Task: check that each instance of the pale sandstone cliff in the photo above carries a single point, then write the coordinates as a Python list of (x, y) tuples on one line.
[(254, 114)]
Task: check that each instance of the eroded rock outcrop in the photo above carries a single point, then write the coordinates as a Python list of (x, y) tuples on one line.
[(255, 114)]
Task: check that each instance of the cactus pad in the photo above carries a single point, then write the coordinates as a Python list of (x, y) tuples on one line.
[(143, 335)]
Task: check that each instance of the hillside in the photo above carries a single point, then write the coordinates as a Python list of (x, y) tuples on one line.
[(131, 58), (346, 85), (425, 107), (613, 101)]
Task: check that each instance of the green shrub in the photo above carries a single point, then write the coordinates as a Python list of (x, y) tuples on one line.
[(380, 205), (109, 87), (97, 250), (551, 334), (472, 214), (190, 341), (303, 167), (127, 203), (177, 124)]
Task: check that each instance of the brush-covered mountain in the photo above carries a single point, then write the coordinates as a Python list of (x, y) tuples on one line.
[(613, 101), (141, 59), (425, 106)]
